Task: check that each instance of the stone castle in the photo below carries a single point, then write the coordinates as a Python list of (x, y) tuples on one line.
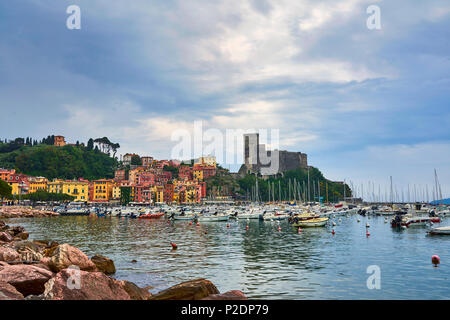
[(266, 163)]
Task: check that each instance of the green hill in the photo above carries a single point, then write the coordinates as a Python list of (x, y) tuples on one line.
[(68, 162), (279, 186)]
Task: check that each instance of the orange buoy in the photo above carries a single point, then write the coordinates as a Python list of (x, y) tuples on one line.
[(198, 224), (246, 227), (332, 232), (435, 260), (367, 234), (174, 246), (190, 223), (299, 230)]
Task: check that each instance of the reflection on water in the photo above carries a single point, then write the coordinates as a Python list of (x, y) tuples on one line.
[(263, 262)]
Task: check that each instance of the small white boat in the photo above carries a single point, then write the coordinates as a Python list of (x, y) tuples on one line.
[(440, 230), (213, 218)]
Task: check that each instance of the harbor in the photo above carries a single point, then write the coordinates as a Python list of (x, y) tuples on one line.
[(265, 258)]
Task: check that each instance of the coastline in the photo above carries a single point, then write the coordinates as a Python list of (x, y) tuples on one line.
[(48, 270)]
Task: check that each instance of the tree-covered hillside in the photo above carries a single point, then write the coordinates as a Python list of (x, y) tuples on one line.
[(297, 182), (68, 162)]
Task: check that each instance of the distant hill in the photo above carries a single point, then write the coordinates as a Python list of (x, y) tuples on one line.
[(68, 162)]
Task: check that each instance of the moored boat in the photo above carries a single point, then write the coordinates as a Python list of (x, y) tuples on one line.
[(440, 230)]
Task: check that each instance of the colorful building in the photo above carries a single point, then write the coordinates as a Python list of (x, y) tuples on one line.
[(37, 184), (102, 190), (59, 141), (5, 173)]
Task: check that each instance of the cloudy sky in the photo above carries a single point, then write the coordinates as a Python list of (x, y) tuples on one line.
[(363, 104)]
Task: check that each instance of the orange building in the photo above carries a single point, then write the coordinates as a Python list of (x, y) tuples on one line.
[(59, 141), (5, 174)]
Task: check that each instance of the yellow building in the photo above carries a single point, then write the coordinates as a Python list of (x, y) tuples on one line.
[(15, 188), (209, 161), (102, 190), (37, 183), (197, 175), (77, 189), (159, 194), (116, 192), (55, 186)]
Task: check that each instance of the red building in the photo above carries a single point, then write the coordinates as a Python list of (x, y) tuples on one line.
[(146, 178), (119, 175), (185, 173), (168, 192)]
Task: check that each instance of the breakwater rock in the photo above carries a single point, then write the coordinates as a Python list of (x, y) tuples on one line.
[(24, 212), (47, 270)]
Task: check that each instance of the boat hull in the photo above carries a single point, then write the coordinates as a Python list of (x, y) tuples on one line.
[(311, 223)]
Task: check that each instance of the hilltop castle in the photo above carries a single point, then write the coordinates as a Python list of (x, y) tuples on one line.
[(259, 161)]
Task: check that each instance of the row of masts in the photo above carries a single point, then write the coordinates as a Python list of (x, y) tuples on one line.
[(395, 194), (308, 191)]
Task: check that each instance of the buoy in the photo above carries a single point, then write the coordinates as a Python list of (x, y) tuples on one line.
[(198, 224), (358, 220), (367, 225), (228, 225), (367, 233), (279, 228), (206, 232), (332, 232), (340, 220), (190, 223), (246, 227), (435, 260), (174, 246), (299, 230), (334, 224)]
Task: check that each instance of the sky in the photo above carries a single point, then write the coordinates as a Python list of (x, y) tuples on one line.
[(364, 104)]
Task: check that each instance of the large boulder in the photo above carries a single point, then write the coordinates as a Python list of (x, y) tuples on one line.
[(229, 295), (9, 254), (6, 237), (27, 279), (189, 290), (135, 292), (92, 286), (8, 292), (104, 264), (65, 255)]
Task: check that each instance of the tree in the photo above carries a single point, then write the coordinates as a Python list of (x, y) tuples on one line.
[(90, 144), (136, 160), (5, 190)]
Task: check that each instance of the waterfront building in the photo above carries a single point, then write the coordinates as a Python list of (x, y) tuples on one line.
[(169, 193), (37, 183), (77, 189), (102, 190), (116, 191)]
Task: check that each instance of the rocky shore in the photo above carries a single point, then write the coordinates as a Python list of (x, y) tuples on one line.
[(47, 270), (24, 212)]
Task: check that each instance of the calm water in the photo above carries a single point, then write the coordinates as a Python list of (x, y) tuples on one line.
[(263, 262)]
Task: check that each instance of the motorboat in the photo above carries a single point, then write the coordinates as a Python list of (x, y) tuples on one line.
[(309, 223), (411, 220), (440, 231)]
